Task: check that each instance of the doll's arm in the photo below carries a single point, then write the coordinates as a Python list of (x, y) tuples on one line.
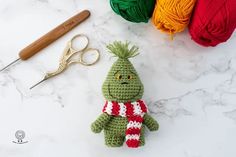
[(100, 123), (150, 122)]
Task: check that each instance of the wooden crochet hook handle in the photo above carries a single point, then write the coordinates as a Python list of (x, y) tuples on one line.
[(53, 35)]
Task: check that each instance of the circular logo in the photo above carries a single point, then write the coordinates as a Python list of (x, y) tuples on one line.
[(20, 134)]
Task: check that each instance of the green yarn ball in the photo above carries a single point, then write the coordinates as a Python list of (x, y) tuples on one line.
[(133, 10)]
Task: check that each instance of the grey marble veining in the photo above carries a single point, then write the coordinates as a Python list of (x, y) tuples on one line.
[(189, 89)]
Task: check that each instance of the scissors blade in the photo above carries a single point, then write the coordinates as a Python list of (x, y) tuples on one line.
[(38, 83)]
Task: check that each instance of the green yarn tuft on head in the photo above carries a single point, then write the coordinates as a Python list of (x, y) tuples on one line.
[(122, 50), (122, 83)]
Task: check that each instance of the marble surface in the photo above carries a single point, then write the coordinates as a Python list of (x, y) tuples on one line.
[(190, 90)]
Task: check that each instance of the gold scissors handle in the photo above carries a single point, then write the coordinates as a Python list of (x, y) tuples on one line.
[(68, 54), (81, 60), (70, 43), (70, 51)]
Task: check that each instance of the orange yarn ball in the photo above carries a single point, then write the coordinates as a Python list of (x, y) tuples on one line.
[(172, 16)]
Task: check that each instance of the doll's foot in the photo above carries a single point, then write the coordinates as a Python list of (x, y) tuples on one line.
[(114, 141), (142, 138)]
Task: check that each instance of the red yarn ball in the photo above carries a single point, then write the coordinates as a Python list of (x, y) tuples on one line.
[(213, 21)]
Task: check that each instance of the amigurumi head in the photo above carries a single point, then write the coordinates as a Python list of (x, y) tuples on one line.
[(122, 83)]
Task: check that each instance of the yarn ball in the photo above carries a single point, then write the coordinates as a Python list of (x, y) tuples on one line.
[(213, 22), (133, 10), (172, 16)]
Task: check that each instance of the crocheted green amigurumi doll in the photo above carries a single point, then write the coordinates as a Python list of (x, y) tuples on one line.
[(124, 114)]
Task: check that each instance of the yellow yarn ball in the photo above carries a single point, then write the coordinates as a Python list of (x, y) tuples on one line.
[(172, 16)]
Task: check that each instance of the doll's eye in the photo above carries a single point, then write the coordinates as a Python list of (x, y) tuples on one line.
[(118, 77), (130, 77)]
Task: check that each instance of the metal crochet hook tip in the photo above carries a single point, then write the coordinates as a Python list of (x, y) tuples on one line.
[(10, 64), (37, 83)]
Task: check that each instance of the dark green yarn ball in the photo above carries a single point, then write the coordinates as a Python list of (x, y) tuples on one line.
[(134, 10)]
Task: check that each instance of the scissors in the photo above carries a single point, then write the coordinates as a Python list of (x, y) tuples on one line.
[(68, 57)]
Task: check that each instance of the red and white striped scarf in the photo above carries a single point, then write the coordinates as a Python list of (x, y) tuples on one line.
[(134, 111)]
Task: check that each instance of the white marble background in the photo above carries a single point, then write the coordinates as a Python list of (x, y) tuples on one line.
[(190, 90)]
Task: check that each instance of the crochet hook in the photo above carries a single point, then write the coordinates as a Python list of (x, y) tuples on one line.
[(50, 37)]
